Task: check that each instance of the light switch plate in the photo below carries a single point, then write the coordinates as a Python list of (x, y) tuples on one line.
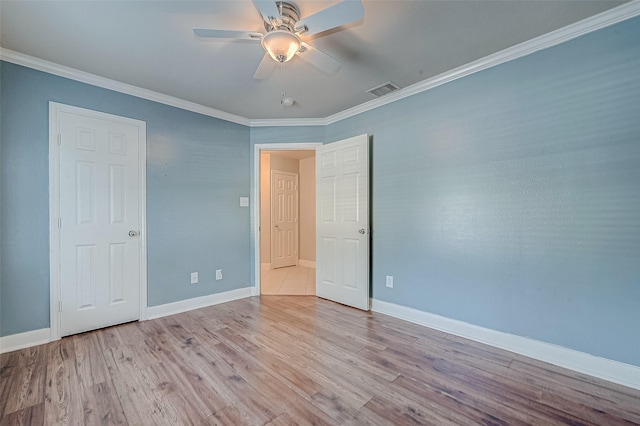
[(218, 274), (194, 278), (389, 281), (244, 201)]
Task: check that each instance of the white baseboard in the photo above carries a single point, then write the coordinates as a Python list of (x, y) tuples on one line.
[(197, 303), (18, 341), (307, 263), (14, 342), (603, 368)]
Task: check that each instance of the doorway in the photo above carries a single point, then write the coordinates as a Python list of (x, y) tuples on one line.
[(342, 222), (286, 215)]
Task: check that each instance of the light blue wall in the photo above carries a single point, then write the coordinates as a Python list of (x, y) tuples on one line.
[(510, 199), (197, 168)]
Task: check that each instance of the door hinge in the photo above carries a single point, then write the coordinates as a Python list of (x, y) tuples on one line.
[(59, 223), (59, 139), (60, 306)]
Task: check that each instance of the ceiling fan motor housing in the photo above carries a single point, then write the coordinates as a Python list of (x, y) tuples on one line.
[(290, 14)]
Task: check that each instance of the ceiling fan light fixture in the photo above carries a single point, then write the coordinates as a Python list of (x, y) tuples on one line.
[(281, 45)]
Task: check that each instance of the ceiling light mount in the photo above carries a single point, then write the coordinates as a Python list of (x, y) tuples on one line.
[(287, 102)]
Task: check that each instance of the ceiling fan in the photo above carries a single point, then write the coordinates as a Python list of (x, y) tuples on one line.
[(285, 31)]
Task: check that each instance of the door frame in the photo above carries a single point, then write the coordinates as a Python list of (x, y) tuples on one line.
[(271, 228), (54, 206), (255, 290)]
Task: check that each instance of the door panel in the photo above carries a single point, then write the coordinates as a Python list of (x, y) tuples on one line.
[(285, 219), (99, 205), (342, 179)]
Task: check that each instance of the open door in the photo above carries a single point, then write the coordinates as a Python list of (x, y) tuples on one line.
[(342, 222)]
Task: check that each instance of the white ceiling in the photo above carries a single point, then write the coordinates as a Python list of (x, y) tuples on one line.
[(150, 44)]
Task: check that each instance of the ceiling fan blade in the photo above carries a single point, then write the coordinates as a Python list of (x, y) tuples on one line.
[(265, 68), (334, 16), (319, 59), (269, 11), (208, 33)]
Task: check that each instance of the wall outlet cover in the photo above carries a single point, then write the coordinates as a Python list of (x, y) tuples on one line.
[(194, 278), (218, 274), (389, 281)]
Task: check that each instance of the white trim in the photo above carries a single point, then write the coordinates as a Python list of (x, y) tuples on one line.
[(610, 17), (307, 263), (256, 196), (54, 206), (197, 303), (54, 232), (607, 18), (142, 206), (27, 339), (288, 122), (603, 368), (95, 80)]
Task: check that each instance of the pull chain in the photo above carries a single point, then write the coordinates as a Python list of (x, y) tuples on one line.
[(282, 81), (284, 101)]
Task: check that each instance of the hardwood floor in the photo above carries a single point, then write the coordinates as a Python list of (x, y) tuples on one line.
[(294, 360)]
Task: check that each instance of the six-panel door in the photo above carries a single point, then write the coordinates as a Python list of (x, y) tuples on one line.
[(342, 240), (99, 207)]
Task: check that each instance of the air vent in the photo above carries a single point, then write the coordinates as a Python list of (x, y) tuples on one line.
[(384, 89)]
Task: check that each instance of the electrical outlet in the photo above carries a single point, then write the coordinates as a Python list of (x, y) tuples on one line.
[(218, 274), (194, 278), (389, 281)]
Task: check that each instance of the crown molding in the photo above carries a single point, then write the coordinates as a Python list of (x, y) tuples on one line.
[(105, 83), (554, 38), (610, 17), (287, 122)]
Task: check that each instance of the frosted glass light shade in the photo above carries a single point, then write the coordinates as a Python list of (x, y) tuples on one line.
[(281, 45)]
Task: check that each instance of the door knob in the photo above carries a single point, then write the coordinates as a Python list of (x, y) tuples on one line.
[(133, 233), (277, 226), (361, 230)]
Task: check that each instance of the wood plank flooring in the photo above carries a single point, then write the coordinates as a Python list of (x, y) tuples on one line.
[(294, 361)]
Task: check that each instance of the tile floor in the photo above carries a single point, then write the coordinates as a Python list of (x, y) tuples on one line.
[(292, 280)]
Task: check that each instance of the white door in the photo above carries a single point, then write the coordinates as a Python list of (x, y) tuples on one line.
[(342, 221), (100, 221), (284, 218)]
